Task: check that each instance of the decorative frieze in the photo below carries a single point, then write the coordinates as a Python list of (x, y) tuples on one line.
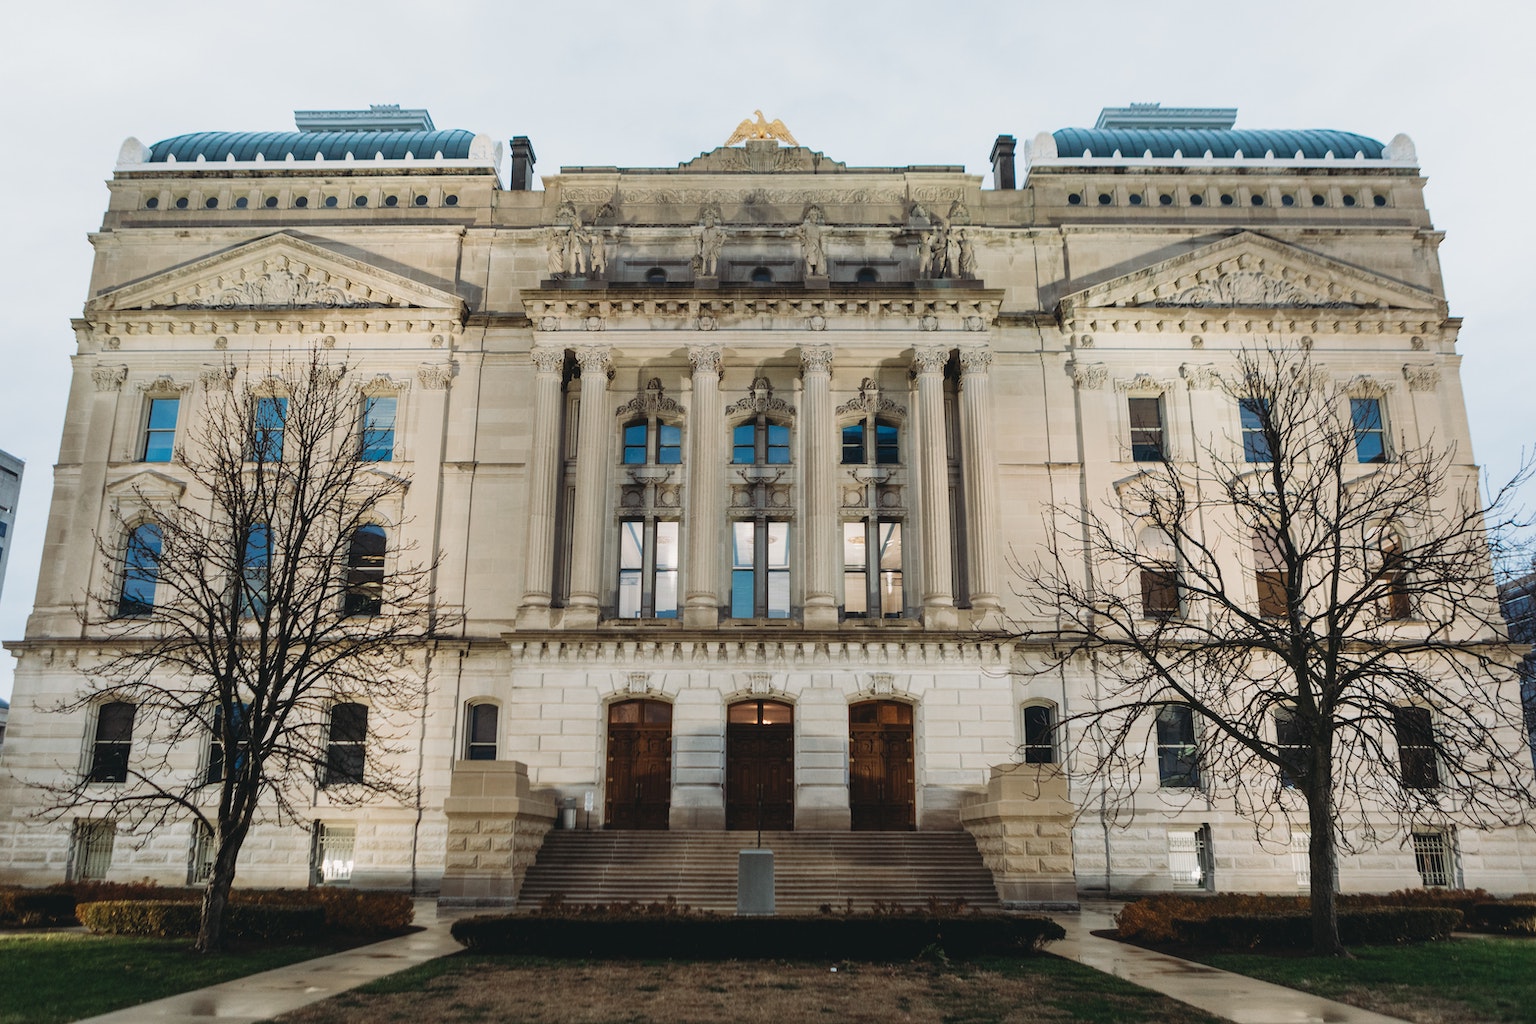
[(1144, 382), (554, 311), (755, 649), (163, 385), (1364, 386)]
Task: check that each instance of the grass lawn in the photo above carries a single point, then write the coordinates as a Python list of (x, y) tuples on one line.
[(478, 987), (1462, 980), (65, 976)]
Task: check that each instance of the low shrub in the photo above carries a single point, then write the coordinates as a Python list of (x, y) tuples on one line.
[(178, 919), (1371, 926), (883, 938), (1152, 918), (350, 911), (1512, 918), (32, 908)]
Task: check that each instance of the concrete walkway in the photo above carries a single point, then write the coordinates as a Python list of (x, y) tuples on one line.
[(1233, 996), (265, 995)]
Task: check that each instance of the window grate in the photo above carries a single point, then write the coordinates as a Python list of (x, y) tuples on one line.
[(1301, 858), (203, 851), (1432, 856), (93, 849), (335, 852), (1188, 857)]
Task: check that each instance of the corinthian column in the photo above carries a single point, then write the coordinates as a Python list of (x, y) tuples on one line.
[(538, 562), (594, 424), (980, 467), (706, 482), (933, 469), (817, 441)]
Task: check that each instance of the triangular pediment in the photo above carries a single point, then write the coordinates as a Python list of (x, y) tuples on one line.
[(280, 271), (1251, 271), (149, 485)]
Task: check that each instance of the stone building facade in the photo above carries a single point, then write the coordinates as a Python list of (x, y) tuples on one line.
[(725, 463)]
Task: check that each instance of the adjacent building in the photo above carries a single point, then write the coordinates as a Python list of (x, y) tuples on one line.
[(726, 462), (10, 494)]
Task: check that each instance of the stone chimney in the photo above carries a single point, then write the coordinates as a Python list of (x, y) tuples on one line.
[(522, 163), (1002, 162)]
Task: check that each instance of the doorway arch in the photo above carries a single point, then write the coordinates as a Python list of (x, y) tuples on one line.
[(638, 793), (760, 765), (882, 779)]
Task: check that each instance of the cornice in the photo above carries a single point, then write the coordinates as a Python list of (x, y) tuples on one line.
[(788, 649)]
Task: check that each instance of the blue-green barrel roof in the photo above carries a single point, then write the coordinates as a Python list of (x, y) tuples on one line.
[(1163, 143), (453, 144)]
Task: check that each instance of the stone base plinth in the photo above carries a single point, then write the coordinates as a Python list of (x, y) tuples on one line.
[(495, 828), (1023, 828)]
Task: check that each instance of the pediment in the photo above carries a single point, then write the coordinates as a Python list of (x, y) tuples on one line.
[(148, 484), (1251, 271), (280, 271)]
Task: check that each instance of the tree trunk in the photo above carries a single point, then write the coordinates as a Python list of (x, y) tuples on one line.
[(210, 929), (1322, 856)]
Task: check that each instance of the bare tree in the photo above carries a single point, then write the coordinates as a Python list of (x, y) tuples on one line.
[(1319, 594), (239, 616)]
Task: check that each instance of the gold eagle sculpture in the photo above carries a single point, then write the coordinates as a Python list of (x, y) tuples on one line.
[(762, 128)]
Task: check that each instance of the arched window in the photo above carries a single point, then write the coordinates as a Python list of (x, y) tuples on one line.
[(346, 745), (114, 737), (480, 729), (867, 275), (141, 571), (1039, 734), (656, 275), (762, 275), (365, 571)]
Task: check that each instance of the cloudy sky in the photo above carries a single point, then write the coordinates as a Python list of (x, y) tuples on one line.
[(649, 84)]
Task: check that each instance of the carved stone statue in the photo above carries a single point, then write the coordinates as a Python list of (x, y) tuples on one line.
[(711, 241), (812, 235), (938, 252), (597, 248), (555, 241), (967, 257), (925, 255)]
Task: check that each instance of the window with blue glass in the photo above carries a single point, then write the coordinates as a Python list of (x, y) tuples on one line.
[(267, 429), (141, 571), (228, 747), (1254, 412), (1370, 436), (379, 428), (760, 569), (160, 432), (256, 568), (654, 443), (760, 442)]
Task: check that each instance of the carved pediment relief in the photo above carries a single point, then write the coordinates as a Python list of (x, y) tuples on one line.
[(280, 271), (1250, 271), (145, 487)]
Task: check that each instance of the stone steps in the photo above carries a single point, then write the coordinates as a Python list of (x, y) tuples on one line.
[(811, 869)]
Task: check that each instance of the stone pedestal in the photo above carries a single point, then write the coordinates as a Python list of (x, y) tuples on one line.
[(817, 282), (1023, 827), (706, 282), (754, 883), (495, 828)]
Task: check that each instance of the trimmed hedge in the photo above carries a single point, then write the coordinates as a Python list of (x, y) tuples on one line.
[(33, 908), (882, 938), (176, 920), (1508, 918), (350, 911), (1375, 926), (1152, 919)]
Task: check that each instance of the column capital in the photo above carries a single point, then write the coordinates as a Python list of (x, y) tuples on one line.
[(547, 360), (930, 358), (705, 358), (816, 359), (975, 359), (594, 359)]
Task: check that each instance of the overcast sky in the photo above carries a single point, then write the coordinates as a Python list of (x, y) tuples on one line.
[(649, 84)]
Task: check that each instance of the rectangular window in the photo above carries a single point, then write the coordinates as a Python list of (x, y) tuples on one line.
[(482, 732), (1416, 748), (1177, 757), (334, 846), (1269, 576), (1432, 856), (778, 445), (346, 746), (379, 428), (92, 854), (267, 430), (160, 433), (887, 443), (1254, 412), (744, 444), (114, 739), (669, 445), (1146, 429), (855, 569), (239, 737), (853, 444), (257, 568), (665, 573), (777, 563), (743, 570), (892, 595), (631, 566), (759, 570), (1291, 746), (1159, 593), (1370, 438), (635, 444), (200, 867), (1039, 735), (648, 561)]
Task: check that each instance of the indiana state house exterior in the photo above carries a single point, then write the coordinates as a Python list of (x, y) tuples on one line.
[(725, 463)]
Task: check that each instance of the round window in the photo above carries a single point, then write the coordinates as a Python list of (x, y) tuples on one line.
[(242, 203), (330, 200), (271, 203), (1165, 200), (1379, 200), (1135, 199), (181, 202), (211, 203), (1075, 199), (301, 202), (1349, 200), (391, 200), (1105, 198), (1226, 199), (152, 203), (1196, 199), (1287, 200), (1319, 200), (450, 200), (421, 200), (360, 201)]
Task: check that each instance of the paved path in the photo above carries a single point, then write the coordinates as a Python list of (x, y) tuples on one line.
[(268, 994), (1233, 996)]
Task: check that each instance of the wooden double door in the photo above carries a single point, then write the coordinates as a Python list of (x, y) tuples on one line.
[(760, 766), (882, 782), (638, 794)]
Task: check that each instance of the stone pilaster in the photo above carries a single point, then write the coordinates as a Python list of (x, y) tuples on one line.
[(594, 424), (818, 441), (933, 470), (706, 484), (543, 485), (980, 467)]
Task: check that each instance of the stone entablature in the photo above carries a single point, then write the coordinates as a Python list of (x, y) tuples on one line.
[(552, 311), (758, 647)]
